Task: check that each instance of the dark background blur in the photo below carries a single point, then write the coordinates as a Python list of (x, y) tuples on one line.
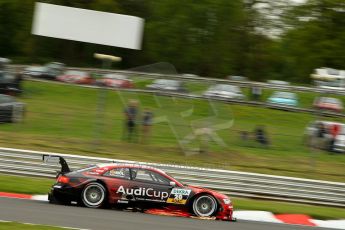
[(263, 39)]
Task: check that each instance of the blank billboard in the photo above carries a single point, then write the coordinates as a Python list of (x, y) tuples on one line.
[(88, 26)]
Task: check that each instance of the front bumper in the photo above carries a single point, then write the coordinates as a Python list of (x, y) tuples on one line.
[(225, 213)]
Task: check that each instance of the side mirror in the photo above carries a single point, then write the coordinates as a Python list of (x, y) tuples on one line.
[(172, 183)]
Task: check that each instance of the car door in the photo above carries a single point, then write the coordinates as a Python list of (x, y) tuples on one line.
[(150, 187), (119, 183)]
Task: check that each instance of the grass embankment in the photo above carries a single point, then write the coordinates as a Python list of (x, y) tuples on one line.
[(30, 185), (62, 118)]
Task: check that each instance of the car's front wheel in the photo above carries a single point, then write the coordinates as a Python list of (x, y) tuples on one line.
[(204, 206), (93, 195)]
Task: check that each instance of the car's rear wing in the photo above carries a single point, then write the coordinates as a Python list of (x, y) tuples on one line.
[(57, 159)]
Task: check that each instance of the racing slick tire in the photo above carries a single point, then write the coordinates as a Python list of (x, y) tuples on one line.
[(204, 206), (94, 195)]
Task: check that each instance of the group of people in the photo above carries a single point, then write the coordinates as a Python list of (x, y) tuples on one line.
[(134, 121), (259, 135)]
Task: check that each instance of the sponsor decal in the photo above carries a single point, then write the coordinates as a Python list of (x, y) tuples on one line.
[(149, 193), (122, 201), (179, 196)]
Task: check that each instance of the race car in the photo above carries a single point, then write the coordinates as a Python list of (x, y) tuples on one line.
[(76, 77), (115, 81), (128, 186)]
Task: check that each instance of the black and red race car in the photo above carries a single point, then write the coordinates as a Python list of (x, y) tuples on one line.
[(134, 186)]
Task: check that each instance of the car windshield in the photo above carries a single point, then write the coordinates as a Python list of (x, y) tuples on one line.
[(277, 82), (238, 78), (174, 178), (76, 73), (148, 175), (228, 88), (54, 65), (36, 68), (115, 77), (330, 100), (285, 95), (167, 82)]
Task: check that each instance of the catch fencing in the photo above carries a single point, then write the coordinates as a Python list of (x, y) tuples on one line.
[(315, 112), (198, 79), (187, 77), (233, 183)]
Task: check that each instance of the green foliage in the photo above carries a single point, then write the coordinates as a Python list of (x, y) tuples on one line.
[(213, 38), (16, 226), (316, 38)]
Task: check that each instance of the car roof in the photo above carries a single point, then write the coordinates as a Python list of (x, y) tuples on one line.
[(225, 87), (109, 166), (166, 81), (284, 93), (128, 165), (75, 72), (115, 76), (329, 99)]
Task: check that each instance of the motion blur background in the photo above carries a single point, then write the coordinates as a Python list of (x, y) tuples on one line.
[(282, 128), (258, 39), (261, 40)]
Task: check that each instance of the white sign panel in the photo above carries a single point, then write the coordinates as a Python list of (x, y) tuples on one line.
[(88, 26)]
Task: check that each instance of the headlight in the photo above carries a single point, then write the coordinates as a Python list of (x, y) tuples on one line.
[(227, 201)]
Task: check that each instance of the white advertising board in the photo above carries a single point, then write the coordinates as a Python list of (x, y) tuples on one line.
[(88, 26)]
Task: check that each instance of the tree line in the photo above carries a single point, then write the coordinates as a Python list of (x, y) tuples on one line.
[(259, 39)]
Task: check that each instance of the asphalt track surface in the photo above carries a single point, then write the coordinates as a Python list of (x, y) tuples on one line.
[(38, 212)]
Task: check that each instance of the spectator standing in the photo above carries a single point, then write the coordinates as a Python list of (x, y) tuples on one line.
[(256, 93), (146, 125), (131, 114), (261, 136)]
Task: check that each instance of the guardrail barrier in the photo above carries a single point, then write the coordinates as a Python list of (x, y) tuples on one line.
[(233, 183)]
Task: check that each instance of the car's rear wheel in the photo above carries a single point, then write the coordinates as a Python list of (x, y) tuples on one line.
[(93, 195), (204, 206)]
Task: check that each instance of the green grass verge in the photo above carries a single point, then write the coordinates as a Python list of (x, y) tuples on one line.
[(317, 212), (30, 185), (15, 226), (25, 185), (62, 118)]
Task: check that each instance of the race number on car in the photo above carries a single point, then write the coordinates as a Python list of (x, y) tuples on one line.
[(178, 196)]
